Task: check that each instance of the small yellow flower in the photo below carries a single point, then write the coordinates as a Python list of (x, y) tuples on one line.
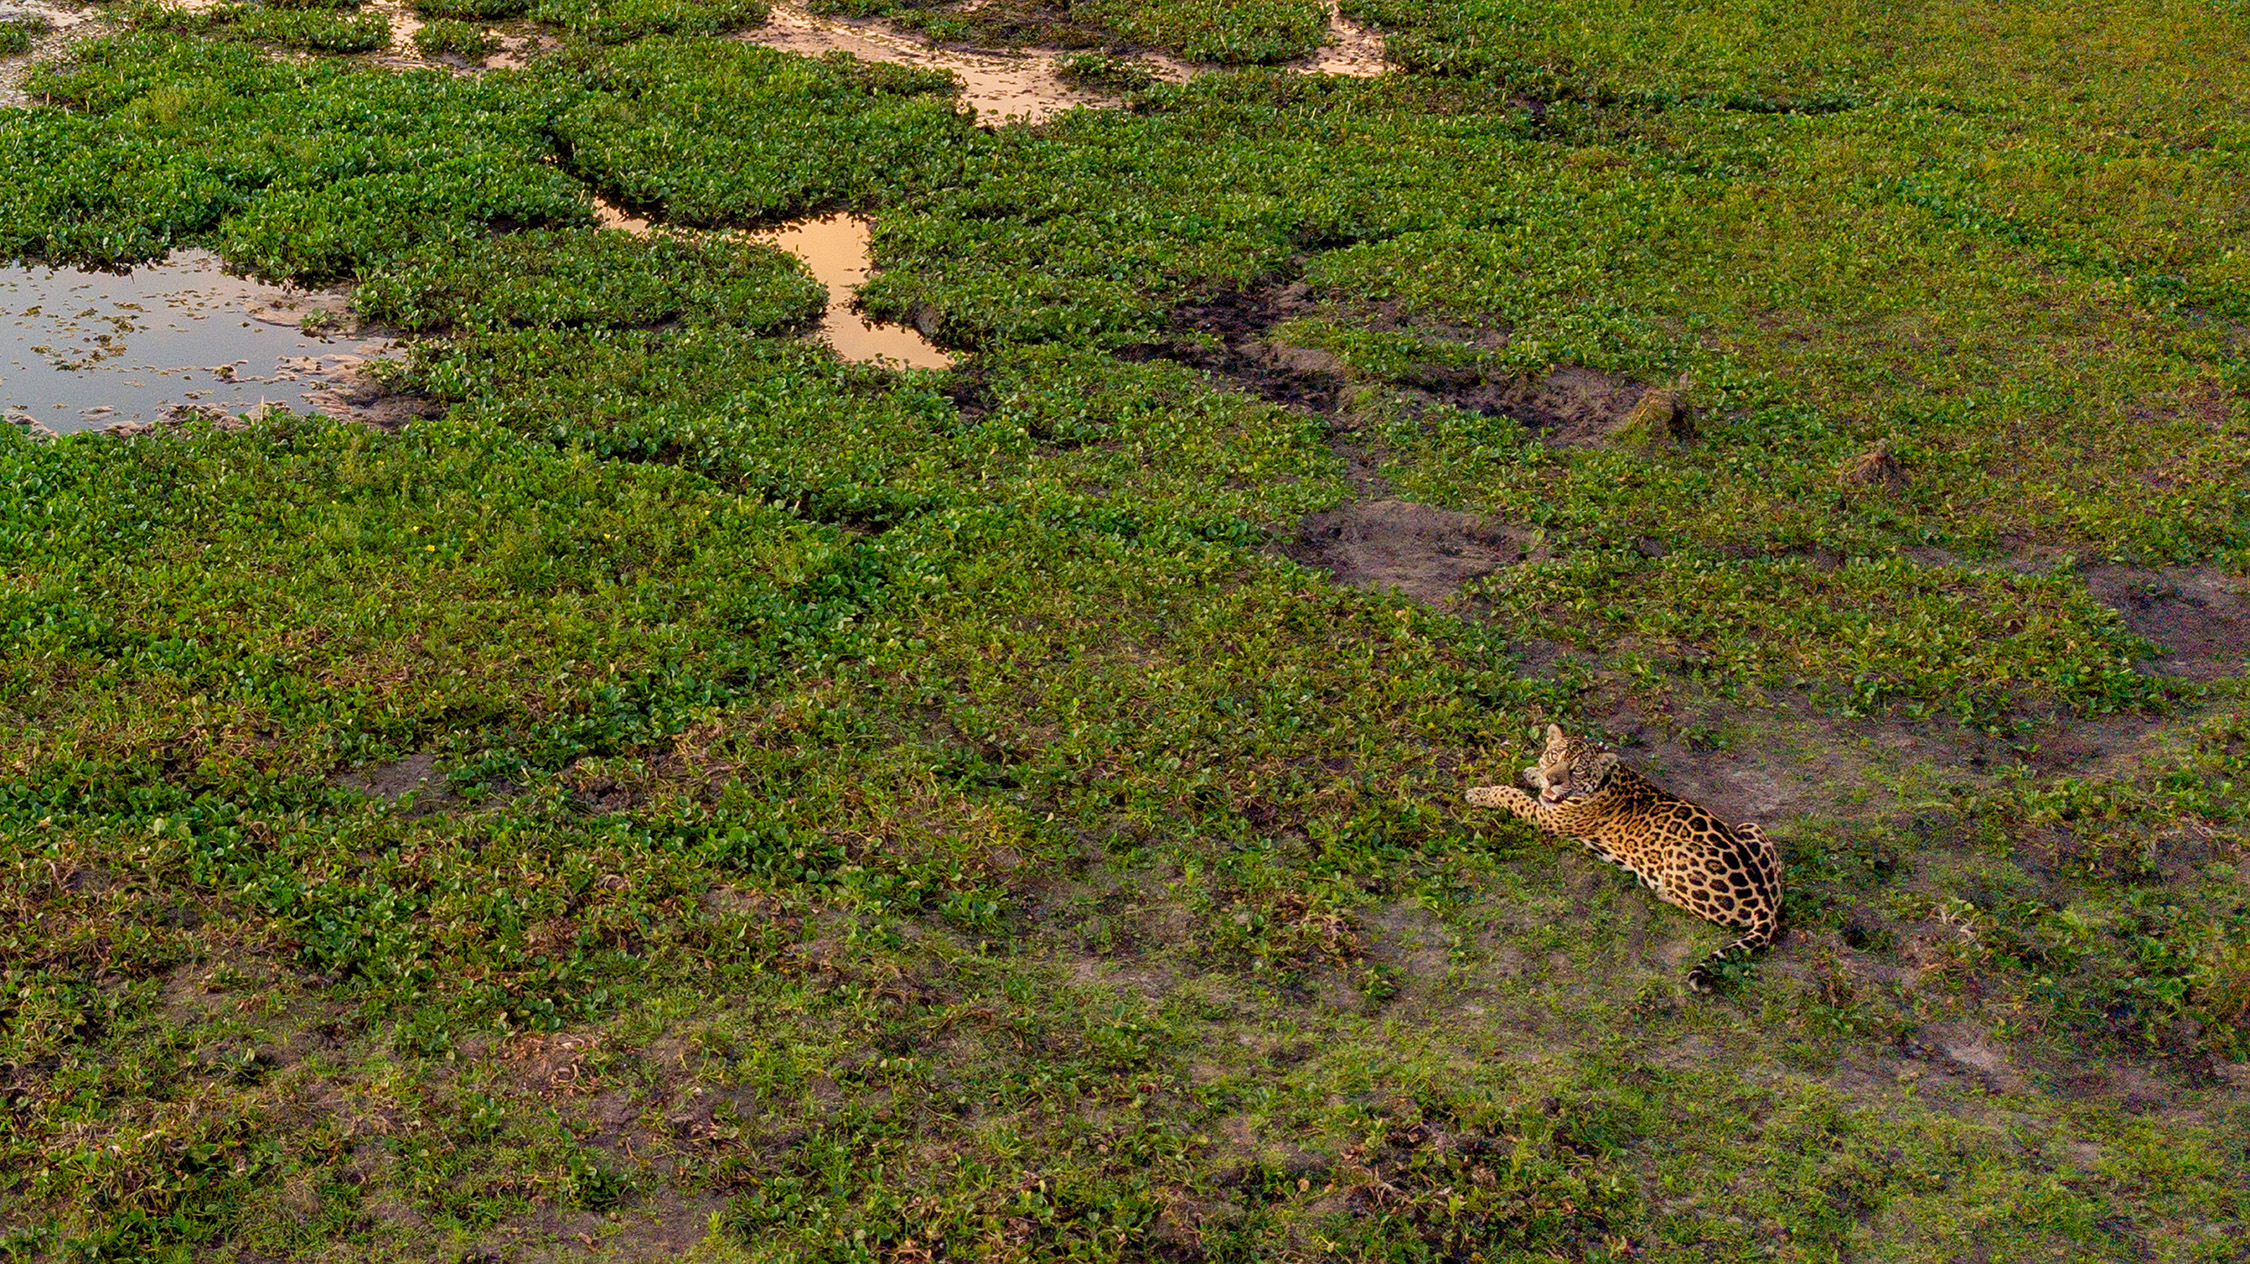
[(429, 548)]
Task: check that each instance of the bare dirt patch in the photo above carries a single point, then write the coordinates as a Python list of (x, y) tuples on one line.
[(395, 780), (2197, 616), (1423, 552), (414, 782), (1225, 334), (1570, 407), (2087, 746), (1229, 334), (1790, 760), (1352, 50), (1376, 541), (1016, 86), (663, 1227), (52, 28), (348, 388)]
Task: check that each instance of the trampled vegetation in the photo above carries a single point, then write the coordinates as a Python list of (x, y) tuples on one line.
[(691, 796)]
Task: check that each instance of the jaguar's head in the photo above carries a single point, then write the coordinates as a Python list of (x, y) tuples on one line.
[(1572, 768)]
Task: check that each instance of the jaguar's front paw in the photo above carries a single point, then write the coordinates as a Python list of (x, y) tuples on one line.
[(1488, 796)]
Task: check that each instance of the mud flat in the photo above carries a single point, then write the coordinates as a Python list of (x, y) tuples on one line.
[(1026, 86), (53, 27), (1352, 50), (1001, 87)]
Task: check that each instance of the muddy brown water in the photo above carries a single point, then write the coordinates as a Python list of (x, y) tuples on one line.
[(834, 248), (92, 350), (89, 350)]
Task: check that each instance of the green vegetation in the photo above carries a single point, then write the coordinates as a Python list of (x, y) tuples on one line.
[(1104, 71), (16, 34), (463, 39), (473, 9), (717, 133), (621, 21), (307, 171), (1236, 32), (592, 277), (313, 28), (702, 797)]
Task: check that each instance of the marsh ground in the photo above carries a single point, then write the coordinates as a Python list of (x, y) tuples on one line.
[(686, 794)]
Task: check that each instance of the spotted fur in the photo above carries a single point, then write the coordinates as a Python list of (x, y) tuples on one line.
[(1730, 874)]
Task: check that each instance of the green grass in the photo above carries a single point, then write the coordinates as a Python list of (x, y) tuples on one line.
[(700, 797)]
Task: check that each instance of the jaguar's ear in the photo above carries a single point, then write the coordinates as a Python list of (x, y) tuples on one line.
[(1604, 764), (1555, 739)]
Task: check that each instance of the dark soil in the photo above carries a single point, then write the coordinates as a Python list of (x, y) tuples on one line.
[(415, 782), (1422, 552), (1294, 377), (1375, 541), (2197, 616), (1571, 407)]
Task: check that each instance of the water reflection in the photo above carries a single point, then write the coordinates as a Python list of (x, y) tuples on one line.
[(834, 247), (86, 350)]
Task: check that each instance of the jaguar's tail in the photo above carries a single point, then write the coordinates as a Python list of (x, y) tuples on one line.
[(1761, 935)]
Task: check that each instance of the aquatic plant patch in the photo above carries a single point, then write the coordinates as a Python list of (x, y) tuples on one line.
[(1230, 32), (627, 20), (725, 133), (592, 277), (313, 28), (295, 171)]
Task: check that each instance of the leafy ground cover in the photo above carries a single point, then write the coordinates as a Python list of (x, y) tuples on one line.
[(692, 796), (17, 34)]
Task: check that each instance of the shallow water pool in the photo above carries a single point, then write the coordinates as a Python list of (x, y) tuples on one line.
[(88, 350)]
